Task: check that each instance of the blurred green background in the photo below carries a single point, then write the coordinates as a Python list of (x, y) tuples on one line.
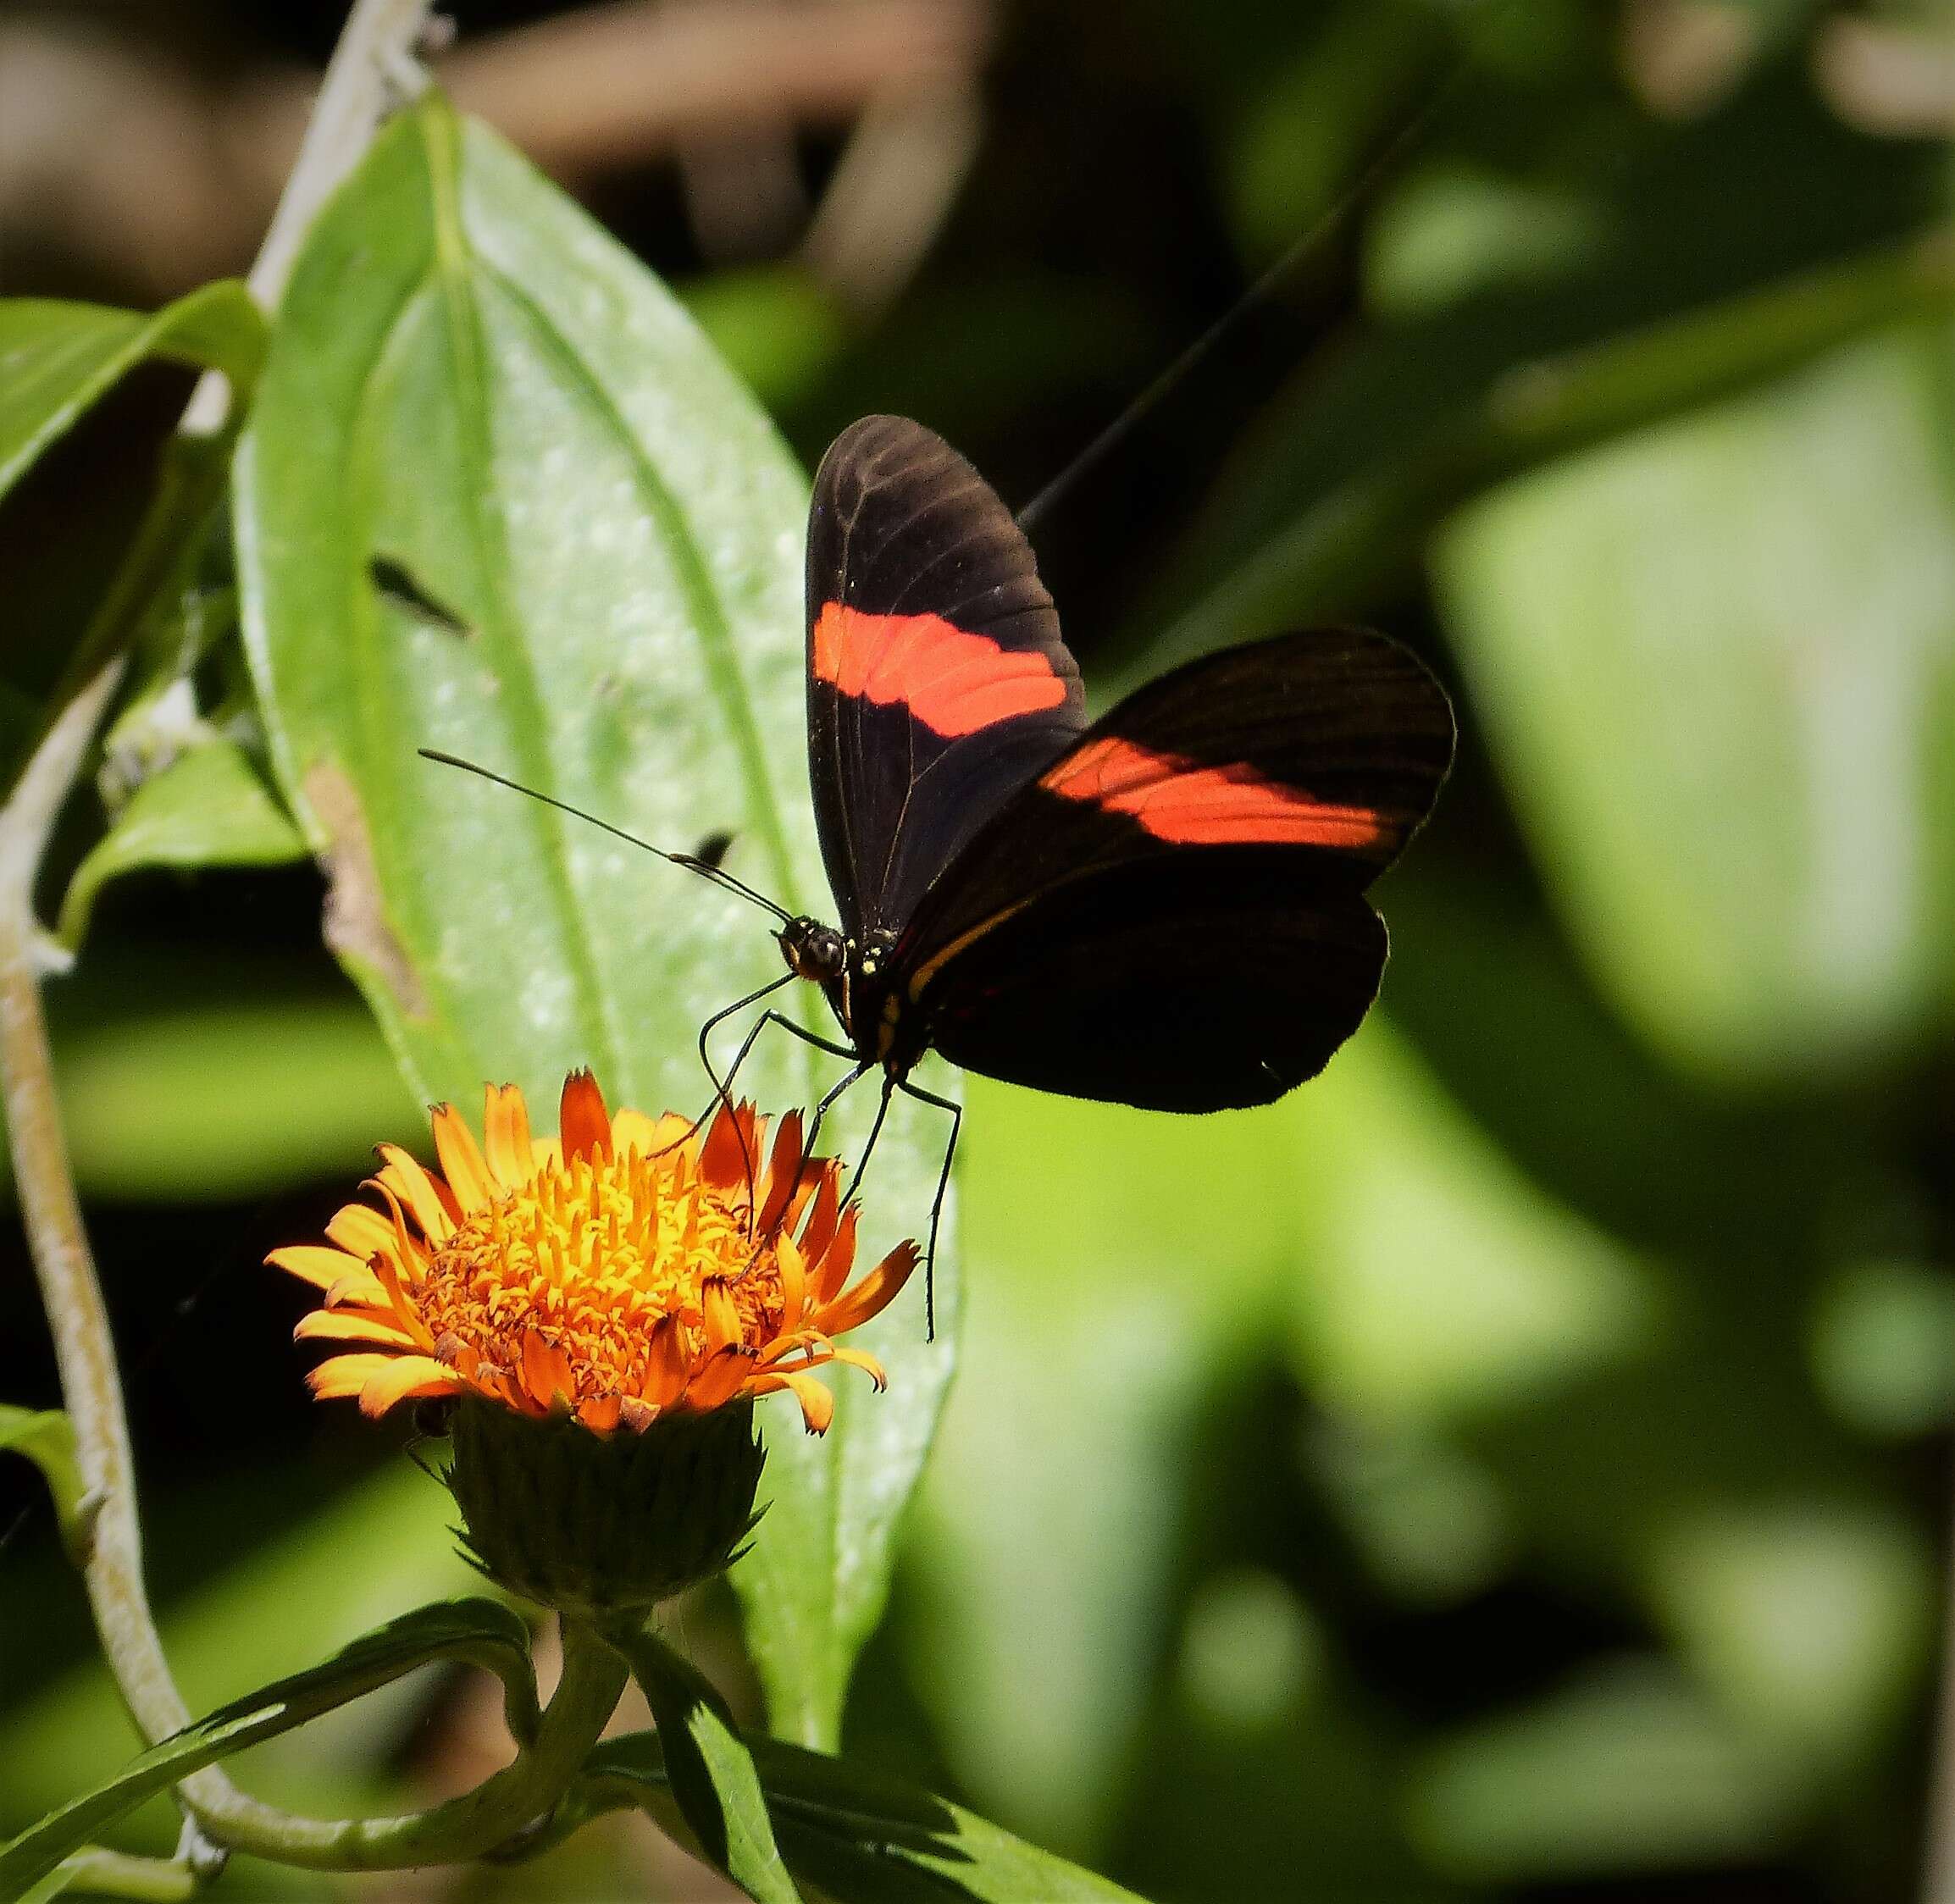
[(1516, 1465)]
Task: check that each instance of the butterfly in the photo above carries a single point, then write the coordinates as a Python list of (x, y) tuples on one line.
[(1164, 907)]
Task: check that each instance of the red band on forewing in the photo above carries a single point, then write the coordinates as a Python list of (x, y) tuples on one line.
[(952, 681), (1179, 800)]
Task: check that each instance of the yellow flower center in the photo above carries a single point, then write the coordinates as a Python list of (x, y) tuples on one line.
[(592, 1254)]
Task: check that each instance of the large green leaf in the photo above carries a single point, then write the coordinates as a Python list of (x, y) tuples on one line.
[(482, 1632), (58, 358), (500, 498), (711, 1771), (861, 1836), (1717, 661)]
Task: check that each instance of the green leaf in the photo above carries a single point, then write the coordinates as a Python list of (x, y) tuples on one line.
[(481, 1632), (58, 358), (46, 1437), (1717, 663), (865, 1838), (208, 808), (711, 1771), (589, 541)]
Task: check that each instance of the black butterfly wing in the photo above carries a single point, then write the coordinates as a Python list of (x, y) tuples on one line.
[(938, 684), (1172, 914)]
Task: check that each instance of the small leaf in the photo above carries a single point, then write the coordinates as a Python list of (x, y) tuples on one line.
[(475, 386), (58, 358), (858, 1836), (46, 1437), (208, 808), (711, 1771), (480, 1632)]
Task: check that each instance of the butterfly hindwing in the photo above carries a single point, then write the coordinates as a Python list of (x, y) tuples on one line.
[(938, 684), (1171, 914)]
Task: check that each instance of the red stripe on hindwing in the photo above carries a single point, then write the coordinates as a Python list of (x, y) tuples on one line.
[(954, 682), (1188, 804)]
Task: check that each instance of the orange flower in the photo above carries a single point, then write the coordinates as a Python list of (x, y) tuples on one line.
[(621, 1275)]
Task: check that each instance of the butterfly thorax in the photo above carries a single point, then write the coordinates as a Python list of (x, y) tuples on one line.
[(886, 1027)]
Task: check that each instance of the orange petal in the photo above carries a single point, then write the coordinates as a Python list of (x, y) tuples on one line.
[(872, 1295), (403, 1254), (584, 1122), (409, 1182), (722, 1377), (405, 1310), (506, 1136), (405, 1376), (832, 1267), (819, 1232), (347, 1375), (322, 1268), (860, 1359), (818, 1404), (793, 1272), (632, 1130), (668, 1132), (351, 1325), (784, 1166), (599, 1414), (358, 1287), (546, 1372), (360, 1231), (728, 1156), (810, 1345), (721, 1314), (462, 1160), (666, 1364)]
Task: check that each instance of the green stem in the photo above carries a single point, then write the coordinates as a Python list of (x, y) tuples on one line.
[(499, 1809), (150, 1880)]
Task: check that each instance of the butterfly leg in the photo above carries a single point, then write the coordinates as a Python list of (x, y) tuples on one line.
[(814, 1129), (875, 1132), (806, 1036), (956, 1110), (722, 1088), (722, 1092), (822, 1111)]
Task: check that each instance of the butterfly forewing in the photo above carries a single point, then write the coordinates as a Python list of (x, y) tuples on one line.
[(1171, 913), (938, 684)]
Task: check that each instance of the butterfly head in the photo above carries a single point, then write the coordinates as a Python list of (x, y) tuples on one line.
[(812, 949)]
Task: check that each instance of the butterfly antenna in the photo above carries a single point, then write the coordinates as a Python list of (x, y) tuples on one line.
[(1258, 294), (707, 869)]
